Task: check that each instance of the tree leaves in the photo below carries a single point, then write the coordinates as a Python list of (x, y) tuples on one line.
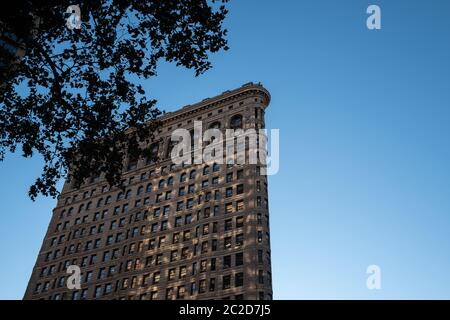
[(70, 96)]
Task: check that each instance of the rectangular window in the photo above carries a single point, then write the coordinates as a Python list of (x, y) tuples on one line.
[(226, 282), (239, 279), (228, 224), (239, 259), (226, 262)]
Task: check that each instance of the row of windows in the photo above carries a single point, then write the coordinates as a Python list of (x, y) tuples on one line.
[(201, 286), (177, 237), (149, 187), (151, 260), (136, 231), (159, 212)]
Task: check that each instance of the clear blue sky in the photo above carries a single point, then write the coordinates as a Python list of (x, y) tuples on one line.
[(365, 150)]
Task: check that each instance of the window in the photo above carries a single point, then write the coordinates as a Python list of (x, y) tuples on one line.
[(185, 252), (229, 177), (206, 212), (215, 125), (193, 288), (226, 282), (205, 184), (259, 218), (228, 224), (166, 210), (239, 279), (239, 259), (240, 205), (205, 229), (229, 207), (260, 256), (239, 189), (170, 181), (108, 289), (240, 174), (260, 276), (153, 295), (202, 286), (226, 262), (239, 240), (229, 192), (173, 255), (239, 222), (156, 277), (203, 265), (227, 243), (183, 177), (171, 274), (183, 272), (236, 122), (97, 292), (153, 153), (192, 174), (212, 284), (178, 221), (180, 292), (205, 246), (216, 167), (206, 170), (158, 260)]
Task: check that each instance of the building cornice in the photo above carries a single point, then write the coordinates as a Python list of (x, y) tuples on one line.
[(226, 97)]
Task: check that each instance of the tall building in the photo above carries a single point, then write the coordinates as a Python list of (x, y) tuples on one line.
[(177, 231)]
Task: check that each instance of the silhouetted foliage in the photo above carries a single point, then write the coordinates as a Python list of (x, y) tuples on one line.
[(74, 96)]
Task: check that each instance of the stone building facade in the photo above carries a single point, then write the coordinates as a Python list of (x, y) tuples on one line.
[(177, 231)]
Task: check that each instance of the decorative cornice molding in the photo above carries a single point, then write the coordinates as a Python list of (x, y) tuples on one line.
[(225, 97)]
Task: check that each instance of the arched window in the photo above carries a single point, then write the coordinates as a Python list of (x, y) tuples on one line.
[(148, 188), (128, 194), (216, 167), (140, 190), (215, 125), (161, 183), (61, 215), (236, 122), (183, 177), (69, 213), (81, 207), (192, 174), (108, 200), (206, 170), (119, 196), (89, 204), (170, 181)]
